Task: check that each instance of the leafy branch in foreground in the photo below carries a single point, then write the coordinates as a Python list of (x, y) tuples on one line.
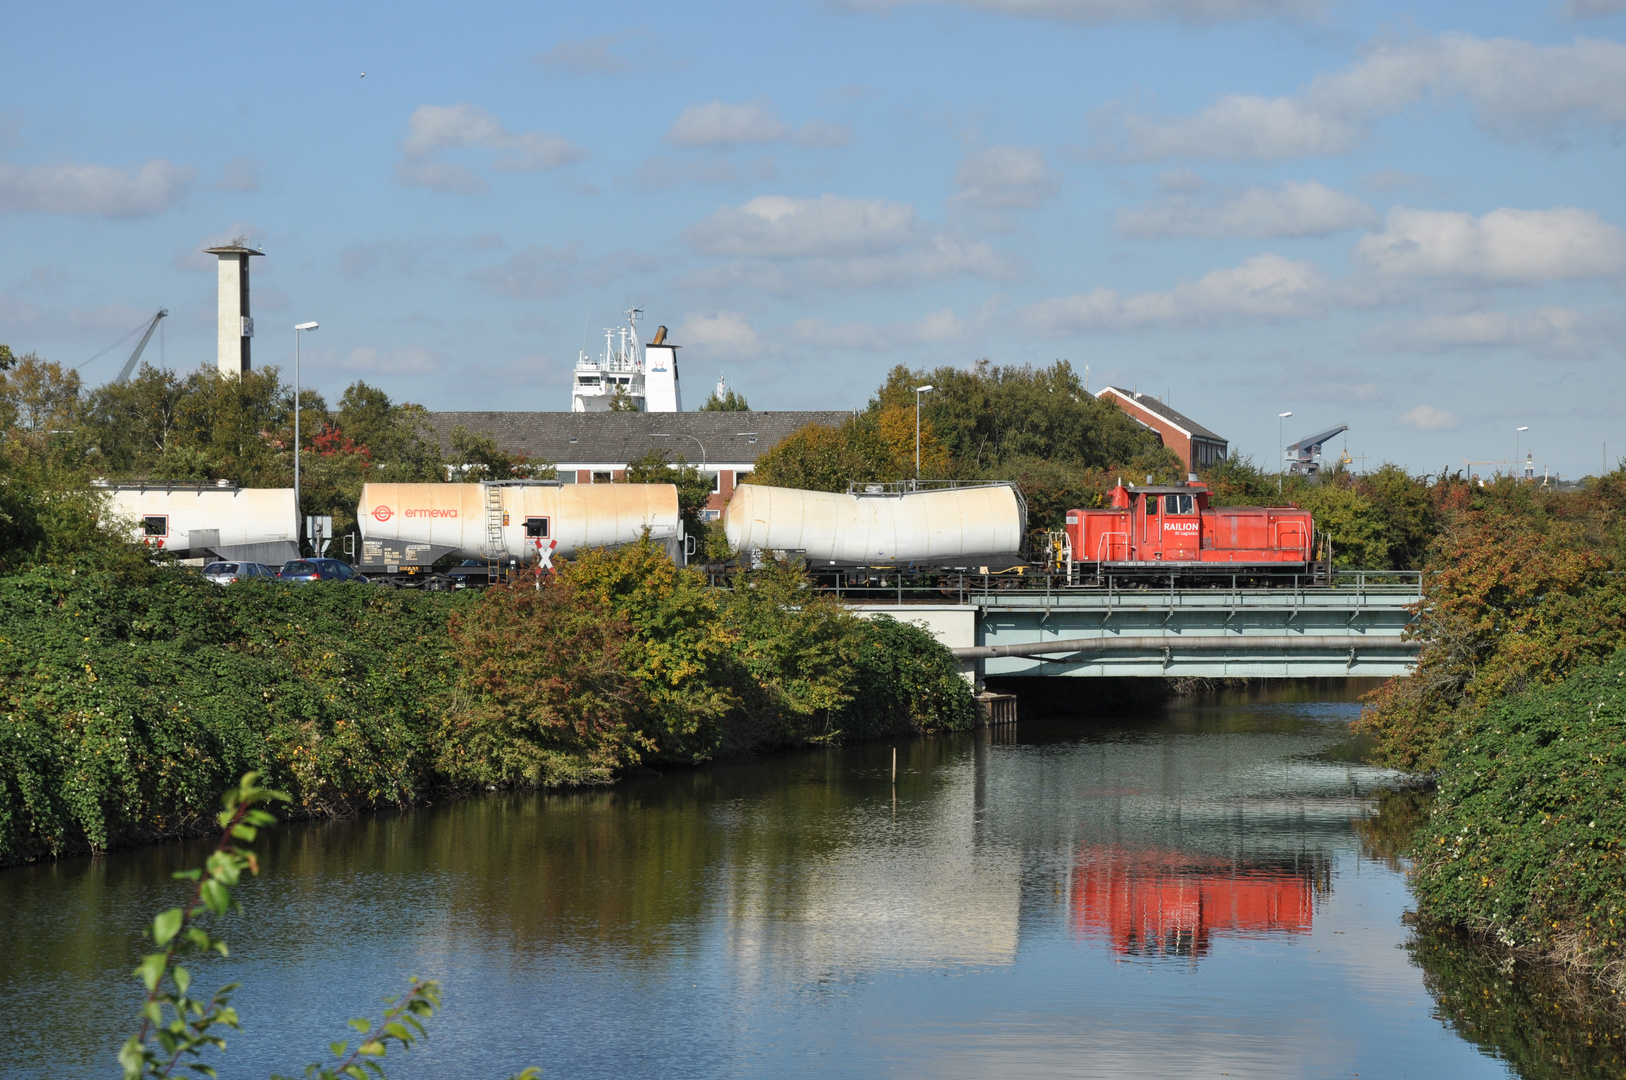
[(176, 1027)]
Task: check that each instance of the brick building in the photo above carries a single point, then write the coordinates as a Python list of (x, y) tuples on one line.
[(1196, 445), (594, 448)]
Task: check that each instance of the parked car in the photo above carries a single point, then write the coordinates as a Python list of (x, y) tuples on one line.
[(305, 571), (224, 573)]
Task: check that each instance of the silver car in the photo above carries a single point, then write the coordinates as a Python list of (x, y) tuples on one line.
[(224, 573)]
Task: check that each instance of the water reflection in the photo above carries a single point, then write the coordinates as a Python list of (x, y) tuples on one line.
[(800, 914), (1164, 903)]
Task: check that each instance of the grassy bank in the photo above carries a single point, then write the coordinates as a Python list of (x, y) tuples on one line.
[(1524, 842), (128, 700)]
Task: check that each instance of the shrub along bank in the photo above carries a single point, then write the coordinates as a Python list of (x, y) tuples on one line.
[(1526, 841), (128, 701)]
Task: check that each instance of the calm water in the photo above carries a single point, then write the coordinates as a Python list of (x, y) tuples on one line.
[(1180, 895)]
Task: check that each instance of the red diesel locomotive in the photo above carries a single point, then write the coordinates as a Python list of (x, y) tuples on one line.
[(1165, 530)]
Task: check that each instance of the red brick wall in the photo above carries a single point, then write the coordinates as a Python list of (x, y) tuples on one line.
[(1175, 440)]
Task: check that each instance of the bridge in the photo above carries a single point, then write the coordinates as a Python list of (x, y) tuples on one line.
[(1351, 627)]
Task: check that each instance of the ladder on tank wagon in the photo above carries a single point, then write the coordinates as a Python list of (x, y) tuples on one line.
[(494, 524)]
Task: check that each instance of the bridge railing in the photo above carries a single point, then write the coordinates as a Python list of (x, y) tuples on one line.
[(904, 585)]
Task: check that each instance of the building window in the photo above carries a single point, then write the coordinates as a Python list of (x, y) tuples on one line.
[(602, 478), (536, 528), (716, 483), (712, 515), (742, 478), (155, 525)]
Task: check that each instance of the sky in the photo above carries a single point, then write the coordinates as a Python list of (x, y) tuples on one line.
[(1409, 218)]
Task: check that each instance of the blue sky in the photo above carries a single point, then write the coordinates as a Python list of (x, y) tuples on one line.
[(1404, 217)]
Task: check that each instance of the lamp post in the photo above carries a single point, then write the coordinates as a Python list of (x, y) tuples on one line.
[(684, 435), (918, 391), (299, 514), (1518, 434), (1281, 443)]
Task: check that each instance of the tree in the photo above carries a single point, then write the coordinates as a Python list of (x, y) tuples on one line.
[(694, 487), (731, 401), (39, 396), (987, 414), (475, 455), (823, 458)]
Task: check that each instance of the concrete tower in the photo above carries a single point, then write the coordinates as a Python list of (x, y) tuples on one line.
[(236, 326)]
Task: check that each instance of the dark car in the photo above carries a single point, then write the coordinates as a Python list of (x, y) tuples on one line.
[(304, 571)]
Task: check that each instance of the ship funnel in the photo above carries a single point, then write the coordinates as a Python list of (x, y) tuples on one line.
[(660, 336)]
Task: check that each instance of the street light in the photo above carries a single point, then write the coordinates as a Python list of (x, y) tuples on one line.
[(1518, 434), (299, 514), (1281, 441), (683, 435), (918, 391)]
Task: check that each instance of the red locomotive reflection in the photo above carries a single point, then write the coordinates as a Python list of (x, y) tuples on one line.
[(1164, 903)]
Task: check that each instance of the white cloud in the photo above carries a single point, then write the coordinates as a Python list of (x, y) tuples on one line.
[(408, 361), (1504, 245), (1102, 11), (1545, 331), (666, 171), (779, 226), (93, 190), (1428, 418), (1242, 127), (534, 272), (593, 55), (1264, 288), (1005, 178), (240, 174), (725, 335), (935, 329), (719, 124), (539, 271), (1518, 90), (1294, 209), (782, 244), (433, 131)]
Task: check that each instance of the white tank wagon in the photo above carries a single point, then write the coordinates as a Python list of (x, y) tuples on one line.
[(406, 528), (209, 521), (879, 527)]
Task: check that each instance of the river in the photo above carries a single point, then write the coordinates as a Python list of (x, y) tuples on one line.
[(1183, 893)]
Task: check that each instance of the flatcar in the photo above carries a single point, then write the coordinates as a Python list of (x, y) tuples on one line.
[(1165, 531)]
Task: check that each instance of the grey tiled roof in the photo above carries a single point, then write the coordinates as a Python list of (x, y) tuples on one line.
[(618, 437), (1157, 408)]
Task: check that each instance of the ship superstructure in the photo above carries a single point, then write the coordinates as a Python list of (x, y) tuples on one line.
[(643, 377), (616, 374)]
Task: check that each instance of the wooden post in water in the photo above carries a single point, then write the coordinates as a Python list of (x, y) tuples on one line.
[(894, 766)]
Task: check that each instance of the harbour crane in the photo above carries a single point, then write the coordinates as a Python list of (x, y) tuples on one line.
[(135, 357), (1305, 455)]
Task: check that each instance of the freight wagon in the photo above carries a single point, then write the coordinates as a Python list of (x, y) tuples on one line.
[(1164, 531), (209, 521), (881, 525), (407, 528)]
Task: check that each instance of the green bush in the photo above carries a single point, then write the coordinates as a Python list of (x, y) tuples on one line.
[(126, 707), (1525, 840), (127, 702)]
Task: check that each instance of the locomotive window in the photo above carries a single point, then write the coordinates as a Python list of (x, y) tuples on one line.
[(155, 525), (536, 528), (1151, 505), (1177, 504)]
